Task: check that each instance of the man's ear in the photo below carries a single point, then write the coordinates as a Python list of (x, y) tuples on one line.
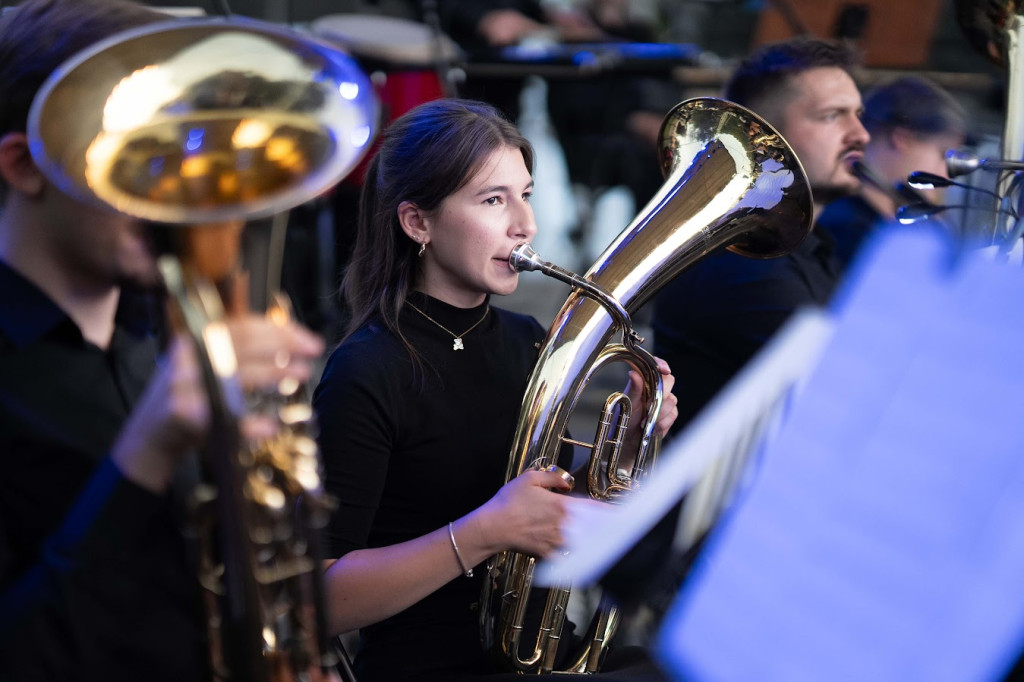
[(414, 222), (17, 168)]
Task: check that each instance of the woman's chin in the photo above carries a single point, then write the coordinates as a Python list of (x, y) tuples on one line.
[(506, 288)]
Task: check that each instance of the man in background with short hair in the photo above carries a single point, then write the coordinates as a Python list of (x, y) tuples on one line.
[(715, 316)]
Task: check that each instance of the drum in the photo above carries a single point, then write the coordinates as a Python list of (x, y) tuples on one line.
[(404, 59)]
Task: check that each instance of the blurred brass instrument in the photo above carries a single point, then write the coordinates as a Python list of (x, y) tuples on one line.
[(731, 181), (996, 29), (202, 125)]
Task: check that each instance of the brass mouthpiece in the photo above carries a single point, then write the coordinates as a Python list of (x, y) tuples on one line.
[(523, 258)]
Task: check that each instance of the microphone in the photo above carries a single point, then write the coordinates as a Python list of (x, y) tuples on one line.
[(962, 163), (912, 213), (926, 180), (901, 193)]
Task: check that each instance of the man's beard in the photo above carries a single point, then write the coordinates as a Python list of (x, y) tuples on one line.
[(146, 276), (141, 281)]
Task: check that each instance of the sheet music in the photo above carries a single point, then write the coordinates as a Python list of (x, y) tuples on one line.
[(597, 536), (884, 536)]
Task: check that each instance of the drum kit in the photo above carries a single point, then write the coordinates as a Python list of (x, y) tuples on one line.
[(408, 62)]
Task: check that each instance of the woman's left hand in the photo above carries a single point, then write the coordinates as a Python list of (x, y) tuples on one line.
[(669, 411)]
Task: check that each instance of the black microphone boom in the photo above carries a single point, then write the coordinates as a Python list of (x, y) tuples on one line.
[(926, 180), (901, 193), (912, 213)]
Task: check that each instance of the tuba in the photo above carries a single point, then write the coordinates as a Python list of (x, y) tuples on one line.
[(201, 125), (731, 181)]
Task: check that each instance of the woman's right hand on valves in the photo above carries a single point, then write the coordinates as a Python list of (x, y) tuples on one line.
[(526, 514)]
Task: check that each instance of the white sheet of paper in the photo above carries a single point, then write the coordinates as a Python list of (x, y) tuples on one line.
[(883, 538), (598, 536)]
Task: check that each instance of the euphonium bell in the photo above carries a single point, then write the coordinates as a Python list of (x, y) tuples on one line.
[(731, 181), (202, 125)]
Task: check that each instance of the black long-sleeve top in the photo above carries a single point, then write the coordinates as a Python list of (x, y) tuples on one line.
[(849, 221), (711, 319), (405, 454), (93, 582)]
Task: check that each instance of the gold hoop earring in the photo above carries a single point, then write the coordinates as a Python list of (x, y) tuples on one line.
[(423, 248)]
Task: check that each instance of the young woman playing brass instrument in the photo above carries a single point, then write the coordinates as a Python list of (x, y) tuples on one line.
[(418, 404)]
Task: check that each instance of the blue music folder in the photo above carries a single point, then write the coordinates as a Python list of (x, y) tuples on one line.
[(883, 535)]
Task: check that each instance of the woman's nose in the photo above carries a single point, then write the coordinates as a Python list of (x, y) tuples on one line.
[(524, 226)]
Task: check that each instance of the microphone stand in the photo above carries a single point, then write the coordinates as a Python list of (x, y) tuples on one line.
[(792, 19), (442, 64), (222, 5), (913, 213), (1005, 235), (1014, 190)]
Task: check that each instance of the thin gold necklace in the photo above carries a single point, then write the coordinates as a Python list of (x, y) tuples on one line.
[(457, 344)]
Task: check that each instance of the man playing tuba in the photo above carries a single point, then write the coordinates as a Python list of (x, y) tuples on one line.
[(96, 415)]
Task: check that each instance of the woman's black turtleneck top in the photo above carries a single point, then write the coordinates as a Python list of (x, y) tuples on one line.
[(405, 453)]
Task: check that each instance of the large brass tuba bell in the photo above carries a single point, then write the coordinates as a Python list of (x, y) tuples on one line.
[(202, 125), (732, 181)]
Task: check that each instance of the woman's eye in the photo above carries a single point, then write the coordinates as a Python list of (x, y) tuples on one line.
[(526, 196), (492, 201)]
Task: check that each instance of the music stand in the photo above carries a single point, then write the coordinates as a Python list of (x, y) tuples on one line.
[(705, 463), (881, 539)]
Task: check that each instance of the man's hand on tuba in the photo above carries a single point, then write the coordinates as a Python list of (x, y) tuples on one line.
[(173, 414)]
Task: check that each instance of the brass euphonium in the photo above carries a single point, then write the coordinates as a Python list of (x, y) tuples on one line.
[(202, 125), (731, 181)]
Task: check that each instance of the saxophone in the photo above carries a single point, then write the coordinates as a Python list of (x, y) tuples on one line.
[(731, 181), (202, 125)]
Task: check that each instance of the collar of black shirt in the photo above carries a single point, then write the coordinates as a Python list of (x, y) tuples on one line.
[(27, 314)]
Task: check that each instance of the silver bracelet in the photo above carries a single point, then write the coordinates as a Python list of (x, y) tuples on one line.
[(468, 572)]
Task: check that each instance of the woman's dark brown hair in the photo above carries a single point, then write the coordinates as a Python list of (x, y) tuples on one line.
[(426, 155)]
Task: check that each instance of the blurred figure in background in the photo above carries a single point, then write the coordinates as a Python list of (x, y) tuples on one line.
[(96, 416)]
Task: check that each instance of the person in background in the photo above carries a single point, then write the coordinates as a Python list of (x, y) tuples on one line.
[(606, 123), (96, 416), (711, 319), (913, 123)]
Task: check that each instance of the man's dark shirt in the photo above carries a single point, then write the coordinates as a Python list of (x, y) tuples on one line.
[(849, 221), (711, 319), (93, 579)]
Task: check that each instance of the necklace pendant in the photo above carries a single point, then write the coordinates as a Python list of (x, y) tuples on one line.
[(458, 344)]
